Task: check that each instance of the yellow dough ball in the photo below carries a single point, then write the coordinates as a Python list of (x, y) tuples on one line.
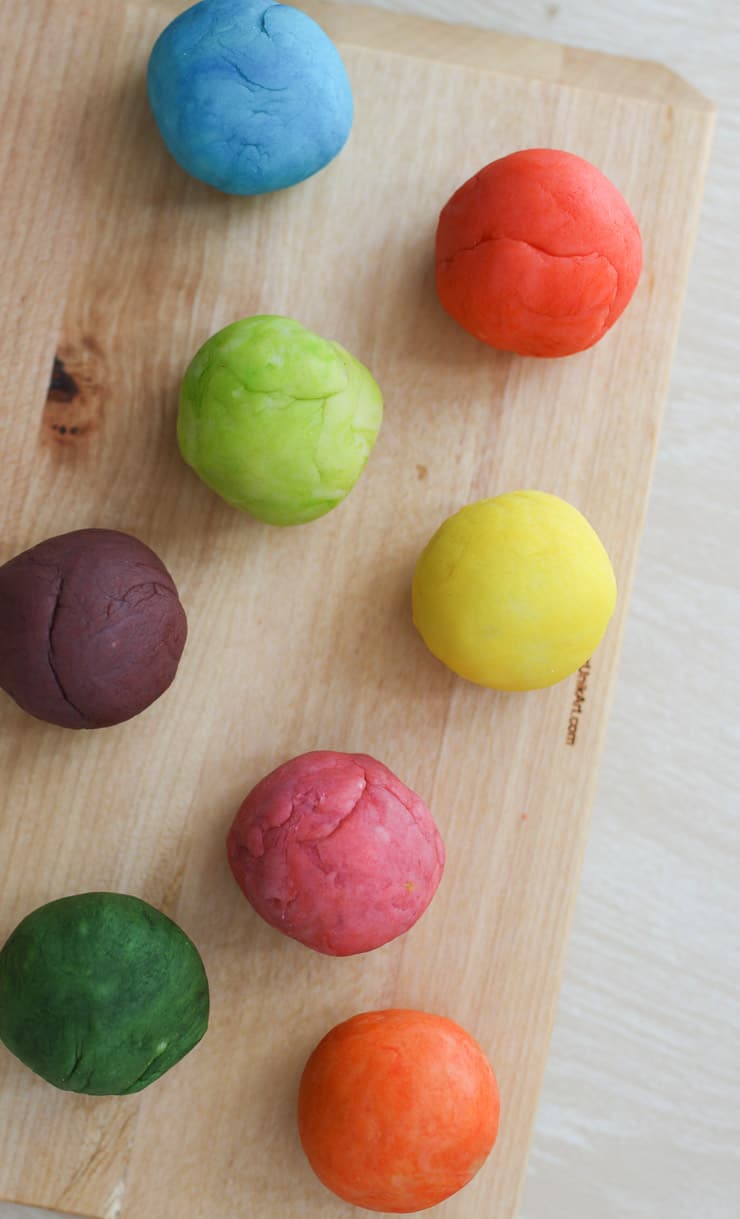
[(514, 592)]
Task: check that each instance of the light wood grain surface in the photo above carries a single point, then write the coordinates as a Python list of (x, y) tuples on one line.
[(665, 835)]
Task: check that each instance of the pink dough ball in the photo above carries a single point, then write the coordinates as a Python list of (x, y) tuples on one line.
[(335, 851)]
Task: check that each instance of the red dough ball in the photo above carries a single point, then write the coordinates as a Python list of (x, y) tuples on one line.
[(335, 851), (538, 254)]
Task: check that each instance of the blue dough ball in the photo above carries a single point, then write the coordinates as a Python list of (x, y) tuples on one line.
[(249, 95)]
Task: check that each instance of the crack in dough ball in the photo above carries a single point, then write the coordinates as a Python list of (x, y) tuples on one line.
[(335, 851), (249, 96), (538, 253)]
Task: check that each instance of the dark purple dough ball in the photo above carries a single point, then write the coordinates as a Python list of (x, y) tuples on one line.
[(91, 628)]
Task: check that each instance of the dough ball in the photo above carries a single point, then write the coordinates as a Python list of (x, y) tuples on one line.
[(514, 592), (538, 254), (100, 993), (249, 96), (276, 420), (397, 1110), (335, 851), (91, 628)]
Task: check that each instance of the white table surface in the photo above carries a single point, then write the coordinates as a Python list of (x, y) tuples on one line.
[(640, 1113)]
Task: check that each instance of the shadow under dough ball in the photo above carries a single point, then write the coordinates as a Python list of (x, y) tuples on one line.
[(91, 628), (101, 993), (249, 96)]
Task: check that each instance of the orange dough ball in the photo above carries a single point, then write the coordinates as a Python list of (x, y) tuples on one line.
[(397, 1110), (538, 253)]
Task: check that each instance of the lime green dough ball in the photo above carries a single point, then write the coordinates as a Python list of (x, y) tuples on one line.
[(276, 420), (514, 592), (101, 993)]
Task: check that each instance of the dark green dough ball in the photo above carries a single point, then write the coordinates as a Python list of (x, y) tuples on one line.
[(101, 993)]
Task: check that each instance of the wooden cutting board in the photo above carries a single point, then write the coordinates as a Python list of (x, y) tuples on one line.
[(119, 266)]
